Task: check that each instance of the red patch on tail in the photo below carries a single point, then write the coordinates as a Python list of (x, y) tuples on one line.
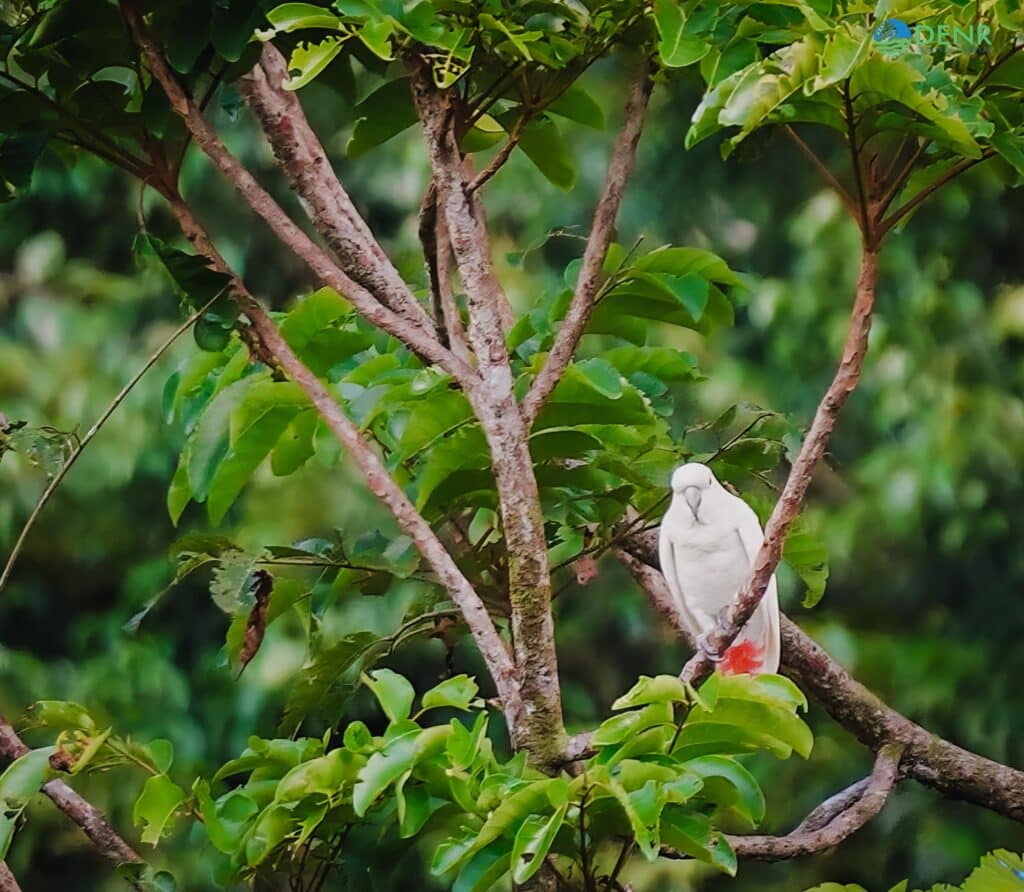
[(745, 658)]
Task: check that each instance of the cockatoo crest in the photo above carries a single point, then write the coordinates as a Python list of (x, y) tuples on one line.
[(708, 542)]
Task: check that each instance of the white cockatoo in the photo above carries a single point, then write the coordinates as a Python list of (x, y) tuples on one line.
[(708, 542)]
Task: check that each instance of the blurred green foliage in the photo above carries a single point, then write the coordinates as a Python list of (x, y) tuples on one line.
[(919, 504)]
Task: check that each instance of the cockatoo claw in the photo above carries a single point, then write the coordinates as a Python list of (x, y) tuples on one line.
[(702, 645)]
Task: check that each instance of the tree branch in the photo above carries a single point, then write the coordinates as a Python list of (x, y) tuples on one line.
[(301, 156), (380, 483), (7, 881), (927, 758), (81, 812), (843, 823), (403, 327), (814, 445), (578, 315), (822, 168), (966, 164), (540, 729)]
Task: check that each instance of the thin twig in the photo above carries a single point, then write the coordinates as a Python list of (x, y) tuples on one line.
[(498, 161), (889, 222), (588, 284), (822, 168), (95, 429), (81, 812), (851, 137)]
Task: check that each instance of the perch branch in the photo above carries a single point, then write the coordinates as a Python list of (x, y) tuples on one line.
[(843, 823), (814, 445), (927, 758)]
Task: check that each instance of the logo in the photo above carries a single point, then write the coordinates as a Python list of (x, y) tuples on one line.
[(895, 35), (893, 29)]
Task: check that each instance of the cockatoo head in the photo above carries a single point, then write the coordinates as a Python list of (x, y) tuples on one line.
[(694, 482)]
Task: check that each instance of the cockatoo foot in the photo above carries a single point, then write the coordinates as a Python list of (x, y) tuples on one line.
[(714, 656)]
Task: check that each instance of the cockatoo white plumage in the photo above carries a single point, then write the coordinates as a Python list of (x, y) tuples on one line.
[(708, 542)]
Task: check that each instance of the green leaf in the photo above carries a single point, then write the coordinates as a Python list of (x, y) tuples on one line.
[(294, 16), (269, 831), (642, 809), (295, 446), (223, 834), (159, 800), (456, 692), (620, 727), (465, 744), (25, 775), (377, 38), (578, 105), (685, 261), (8, 824), (209, 442), (775, 728), (999, 871), (543, 144), (18, 156), (601, 376), (844, 51), (192, 279), (675, 49), (385, 113), (767, 85), (383, 769), (310, 59), (325, 775), (729, 785), (898, 81), (1010, 147), (691, 834), (256, 425), (659, 689), (483, 871), (310, 316), (314, 687), (535, 798), (533, 842), (62, 715), (393, 691), (804, 551)]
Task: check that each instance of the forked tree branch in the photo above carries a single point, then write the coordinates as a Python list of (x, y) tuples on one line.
[(814, 445), (405, 327), (81, 812), (602, 229), (843, 822), (832, 822), (301, 156), (378, 480), (540, 730), (927, 758)]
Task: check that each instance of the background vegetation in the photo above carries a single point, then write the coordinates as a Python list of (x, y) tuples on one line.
[(922, 492)]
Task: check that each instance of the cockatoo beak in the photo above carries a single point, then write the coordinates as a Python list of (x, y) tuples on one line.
[(692, 496)]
